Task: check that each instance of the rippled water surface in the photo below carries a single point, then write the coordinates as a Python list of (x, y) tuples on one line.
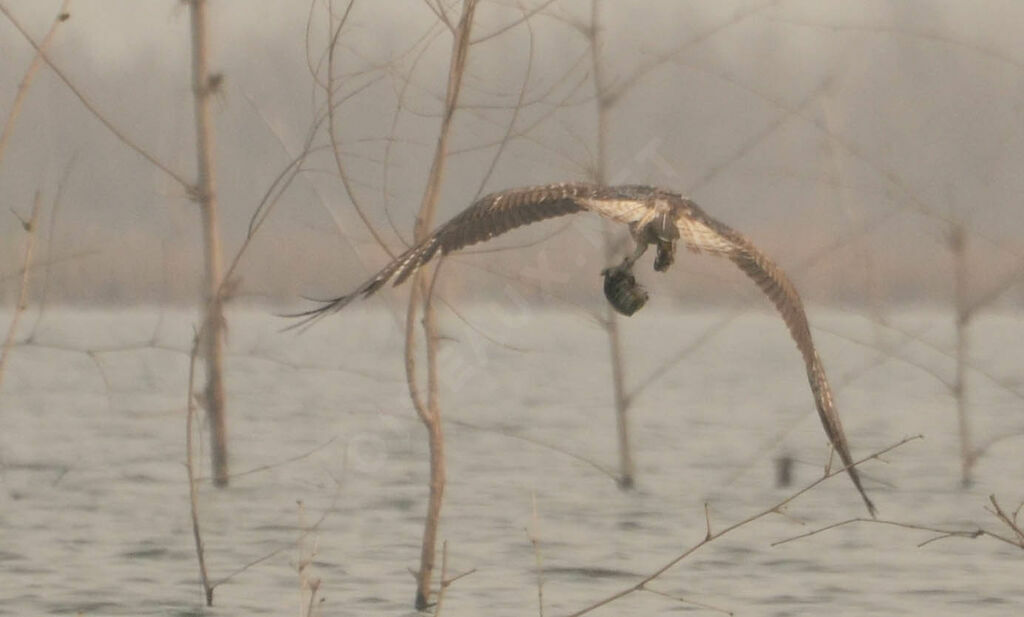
[(94, 516)]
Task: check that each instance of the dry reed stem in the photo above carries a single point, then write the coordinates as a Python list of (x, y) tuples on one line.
[(429, 411), (712, 536), (26, 268), (193, 496), (44, 293), (91, 108), (30, 72)]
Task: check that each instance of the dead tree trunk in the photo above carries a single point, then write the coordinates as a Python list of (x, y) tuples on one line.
[(429, 411), (212, 333)]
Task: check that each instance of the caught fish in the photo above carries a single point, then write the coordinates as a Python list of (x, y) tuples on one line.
[(623, 292)]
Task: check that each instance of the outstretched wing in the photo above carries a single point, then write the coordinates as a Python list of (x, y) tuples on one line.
[(704, 234), (490, 216)]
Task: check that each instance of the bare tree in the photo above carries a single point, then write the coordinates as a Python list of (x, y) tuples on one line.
[(958, 248), (429, 410), (606, 95), (204, 85), (604, 99)]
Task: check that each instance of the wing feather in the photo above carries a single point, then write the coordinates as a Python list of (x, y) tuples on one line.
[(488, 217), (703, 233)]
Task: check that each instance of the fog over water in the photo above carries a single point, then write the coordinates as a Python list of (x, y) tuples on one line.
[(94, 498), (850, 141), (848, 134)]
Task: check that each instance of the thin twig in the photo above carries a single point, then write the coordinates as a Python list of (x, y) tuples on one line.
[(193, 497), (26, 269), (92, 107), (281, 463), (51, 232), (671, 596), (516, 110), (284, 547), (943, 533), (710, 537), (537, 442), (1011, 523), (305, 560), (26, 80), (331, 131), (444, 577), (533, 533)]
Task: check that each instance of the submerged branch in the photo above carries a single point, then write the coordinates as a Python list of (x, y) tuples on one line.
[(712, 536)]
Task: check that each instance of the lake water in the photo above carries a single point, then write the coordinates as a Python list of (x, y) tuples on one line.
[(94, 515)]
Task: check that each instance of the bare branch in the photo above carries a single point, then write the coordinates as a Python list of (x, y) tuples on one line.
[(92, 107), (331, 130), (26, 268), (525, 19), (281, 463), (710, 607), (30, 72), (1009, 522), (905, 33), (514, 117), (429, 410), (942, 533), (193, 496), (615, 91), (640, 585)]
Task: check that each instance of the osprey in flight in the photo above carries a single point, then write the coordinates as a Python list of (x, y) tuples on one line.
[(654, 216)]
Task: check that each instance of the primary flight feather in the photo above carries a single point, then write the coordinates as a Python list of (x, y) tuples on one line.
[(654, 216)]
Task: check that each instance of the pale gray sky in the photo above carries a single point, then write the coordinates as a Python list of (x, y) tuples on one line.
[(798, 122)]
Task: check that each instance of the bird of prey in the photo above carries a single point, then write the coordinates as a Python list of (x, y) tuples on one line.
[(654, 216)]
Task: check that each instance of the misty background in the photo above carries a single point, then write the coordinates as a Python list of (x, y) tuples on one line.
[(844, 138), (855, 143)]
